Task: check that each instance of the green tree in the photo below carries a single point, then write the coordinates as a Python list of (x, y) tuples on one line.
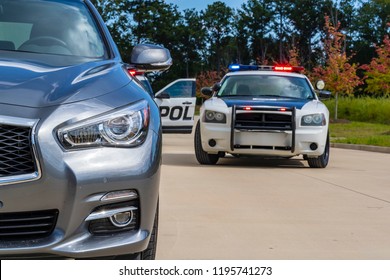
[(370, 27), (282, 25), (217, 20), (378, 71), (255, 18), (194, 37), (307, 19), (338, 74), (242, 54)]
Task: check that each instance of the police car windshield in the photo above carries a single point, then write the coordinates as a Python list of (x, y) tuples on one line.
[(266, 86)]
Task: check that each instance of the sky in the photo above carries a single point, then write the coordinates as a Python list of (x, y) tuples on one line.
[(202, 4)]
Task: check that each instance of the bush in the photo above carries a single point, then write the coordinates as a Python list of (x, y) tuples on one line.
[(362, 109)]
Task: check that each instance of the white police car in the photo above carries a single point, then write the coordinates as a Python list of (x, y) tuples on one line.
[(265, 111), (176, 101)]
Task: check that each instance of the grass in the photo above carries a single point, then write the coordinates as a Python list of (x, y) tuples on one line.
[(363, 121), (360, 133), (361, 109)]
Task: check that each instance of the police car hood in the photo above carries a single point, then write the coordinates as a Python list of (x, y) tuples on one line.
[(33, 84), (266, 101)]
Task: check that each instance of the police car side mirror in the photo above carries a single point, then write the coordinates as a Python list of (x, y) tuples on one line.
[(217, 87), (207, 91), (324, 94), (163, 95), (148, 57)]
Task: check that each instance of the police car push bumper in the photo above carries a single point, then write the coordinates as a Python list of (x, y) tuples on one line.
[(233, 138)]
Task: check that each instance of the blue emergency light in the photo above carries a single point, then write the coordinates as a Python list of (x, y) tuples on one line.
[(240, 67)]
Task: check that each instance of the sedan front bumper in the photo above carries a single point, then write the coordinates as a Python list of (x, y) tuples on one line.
[(71, 186)]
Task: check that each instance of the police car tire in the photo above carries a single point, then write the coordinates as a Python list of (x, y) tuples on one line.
[(322, 160), (202, 156)]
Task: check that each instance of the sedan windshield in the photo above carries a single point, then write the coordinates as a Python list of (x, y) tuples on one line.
[(266, 86), (49, 27)]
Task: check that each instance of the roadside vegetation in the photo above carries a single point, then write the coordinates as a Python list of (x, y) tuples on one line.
[(361, 109), (363, 121), (360, 133)]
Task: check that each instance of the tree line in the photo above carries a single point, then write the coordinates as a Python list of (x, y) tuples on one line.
[(306, 32)]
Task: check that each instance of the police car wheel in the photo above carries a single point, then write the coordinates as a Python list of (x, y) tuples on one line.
[(202, 156), (322, 160)]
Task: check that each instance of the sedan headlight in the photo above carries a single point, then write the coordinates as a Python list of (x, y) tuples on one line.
[(126, 127), (313, 120), (214, 117)]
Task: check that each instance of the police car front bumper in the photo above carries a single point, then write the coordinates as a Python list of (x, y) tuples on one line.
[(308, 141)]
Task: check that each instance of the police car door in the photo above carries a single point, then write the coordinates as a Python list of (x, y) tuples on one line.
[(177, 106)]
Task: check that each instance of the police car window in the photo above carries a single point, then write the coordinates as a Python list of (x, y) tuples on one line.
[(266, 86), (180, 89)]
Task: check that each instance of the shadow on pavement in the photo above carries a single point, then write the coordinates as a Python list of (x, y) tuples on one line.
[(189, 160)]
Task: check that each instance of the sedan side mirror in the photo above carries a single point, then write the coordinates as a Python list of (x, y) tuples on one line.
[(149, 57)]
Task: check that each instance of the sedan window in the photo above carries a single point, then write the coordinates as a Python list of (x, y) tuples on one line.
[(49, 27)]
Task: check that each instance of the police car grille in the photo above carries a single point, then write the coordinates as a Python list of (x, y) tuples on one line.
[(16, 157), (263, 121), (27, 225)]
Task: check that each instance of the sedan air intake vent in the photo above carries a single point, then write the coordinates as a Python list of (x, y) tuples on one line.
[(27, 225)]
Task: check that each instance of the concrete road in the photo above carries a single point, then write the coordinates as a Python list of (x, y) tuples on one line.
[(273, 209)]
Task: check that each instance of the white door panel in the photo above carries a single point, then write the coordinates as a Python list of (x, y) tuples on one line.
[(177, 106)]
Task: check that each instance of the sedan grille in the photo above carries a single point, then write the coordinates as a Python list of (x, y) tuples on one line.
[(27, 225), (16, 156)]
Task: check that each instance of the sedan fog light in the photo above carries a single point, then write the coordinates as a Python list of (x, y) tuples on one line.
[(122, 219)]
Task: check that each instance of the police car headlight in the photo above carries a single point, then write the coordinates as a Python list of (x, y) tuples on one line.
[(214, 117), (126, 127), (313, 120)]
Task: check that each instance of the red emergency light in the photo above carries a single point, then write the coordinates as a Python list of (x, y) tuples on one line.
[(288, 68)]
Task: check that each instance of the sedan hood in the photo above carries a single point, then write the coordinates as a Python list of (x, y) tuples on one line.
[(32, 84)]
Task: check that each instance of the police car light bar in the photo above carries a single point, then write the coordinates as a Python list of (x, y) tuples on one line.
[(240, 67), (288, 68)]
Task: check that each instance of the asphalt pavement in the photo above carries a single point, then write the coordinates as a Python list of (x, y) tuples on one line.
[(250, 208)]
